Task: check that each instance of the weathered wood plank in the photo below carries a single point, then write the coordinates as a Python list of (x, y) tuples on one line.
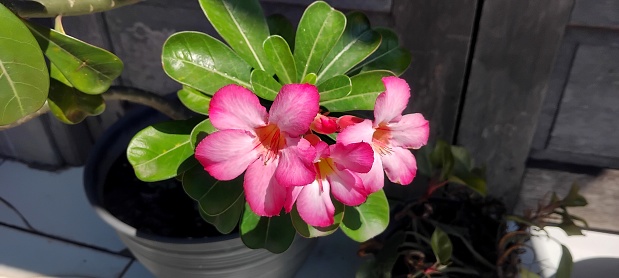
[(600, 13), (366, 5), (30, 143), (512, 61)]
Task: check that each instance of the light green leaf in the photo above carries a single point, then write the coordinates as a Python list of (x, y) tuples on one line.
[(365, 88), (309, 231), (441, 246), (278, 53), (24, 80), (335, 87), (564, 270), (90, 69), (310, 78), (281, 26), (525, 273), (389, 55), (200, 131), (162, 151), (357, 43), (242, 24), (367, 220), (194, 100), (71, 106), (202, 62), (272, 233), (264, 85), (319, 29)]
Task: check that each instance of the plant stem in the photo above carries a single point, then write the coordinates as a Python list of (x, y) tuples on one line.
[(53, 8), (157, 102)]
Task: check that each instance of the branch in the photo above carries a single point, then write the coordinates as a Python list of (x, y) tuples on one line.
[(44, 109), (174, 110), (53, 8)]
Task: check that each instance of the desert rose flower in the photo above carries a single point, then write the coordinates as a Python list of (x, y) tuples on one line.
[(391, 134), (266, 146)]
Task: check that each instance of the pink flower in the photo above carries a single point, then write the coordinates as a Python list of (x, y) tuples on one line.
[(324, 124), (266, 146), (390, 135), (337, 167)]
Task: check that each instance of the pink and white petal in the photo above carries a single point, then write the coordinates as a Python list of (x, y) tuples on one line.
[(347, 120), (262, 192), (361, 132), (412, 131), (292, 193), (400, 165), (235, 107), (357, 157), (296, 165), (315, 206), (374, 180), (347, 187), (322, 150), (225, 154), (390, 104), (294, 108)]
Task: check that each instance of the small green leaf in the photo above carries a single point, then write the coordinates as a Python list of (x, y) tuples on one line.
[(281, 26), (389, 55), (24, 80), (573, 198), (570, 228), (308, 231), (424, 165), (441, 246), (335, 87), (272, 233), (564, 270), (365, 88), (310, 78), (264, 85), (222, 196), (367, 220), (194, 100), (462, 157), (356, 43), (242, 24), (160, 151), (443, 158), (202, 62), (471, 181), (278, 53), (71, 106), (319, 29), (200, 131), (225, 222), (90, 69)]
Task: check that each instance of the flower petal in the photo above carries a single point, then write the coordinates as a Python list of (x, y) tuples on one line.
[(315, 206), (294, 108), (373, 180), (324, 124), (225, 154), (390, 104), (296, 165), (412, 131), (292, 194), (400, 165), (347, 187), (357, 157), (262, 192), (347, 120), (361, 132), (234, 107)]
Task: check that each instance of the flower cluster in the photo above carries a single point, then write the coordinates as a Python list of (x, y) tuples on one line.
[(286, 163)]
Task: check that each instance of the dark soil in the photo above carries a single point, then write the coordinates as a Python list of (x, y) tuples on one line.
[(157, 208)]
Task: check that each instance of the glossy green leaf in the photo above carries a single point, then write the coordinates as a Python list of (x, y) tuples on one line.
[(242, 24), (309, 231), (335, 87), (441, 246), (564, 269), (279, 54), (319, 29), (24, 80), (90, 69), (310, 78), (160, 151), (195, 100), (367, 220), (389, 55), (281, 26), (272, 233), (200, 131), (202, 62), (478, 184), (215, 197), (365, 88), (226, 222), (71, 106), (264, 85), (356, 43)]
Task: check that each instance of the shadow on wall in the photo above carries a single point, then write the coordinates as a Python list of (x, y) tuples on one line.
[(597, 267)]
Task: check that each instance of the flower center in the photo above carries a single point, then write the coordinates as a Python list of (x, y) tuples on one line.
[(380, 140), (272, 140), (324, 167)]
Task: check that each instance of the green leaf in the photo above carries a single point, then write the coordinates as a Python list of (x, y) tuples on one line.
[(564, 270), (202, 62), (462, 158), (194, 100), (335, 87), (264, 85), (160, 151), (365, 88), (71, 106), (24, 80), (319, 29), (471, 181), (309, 231), (443, 158), (441, 246), (310, 78), (525, 273), (272, 233), (242, 24), (200, 131), (90, 69), (282, 61), (356, 43), (281, 26), (367, 220), (227, 221), (215, 197), (389, 55), (424, 165), (573, 198), (570, 228)]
